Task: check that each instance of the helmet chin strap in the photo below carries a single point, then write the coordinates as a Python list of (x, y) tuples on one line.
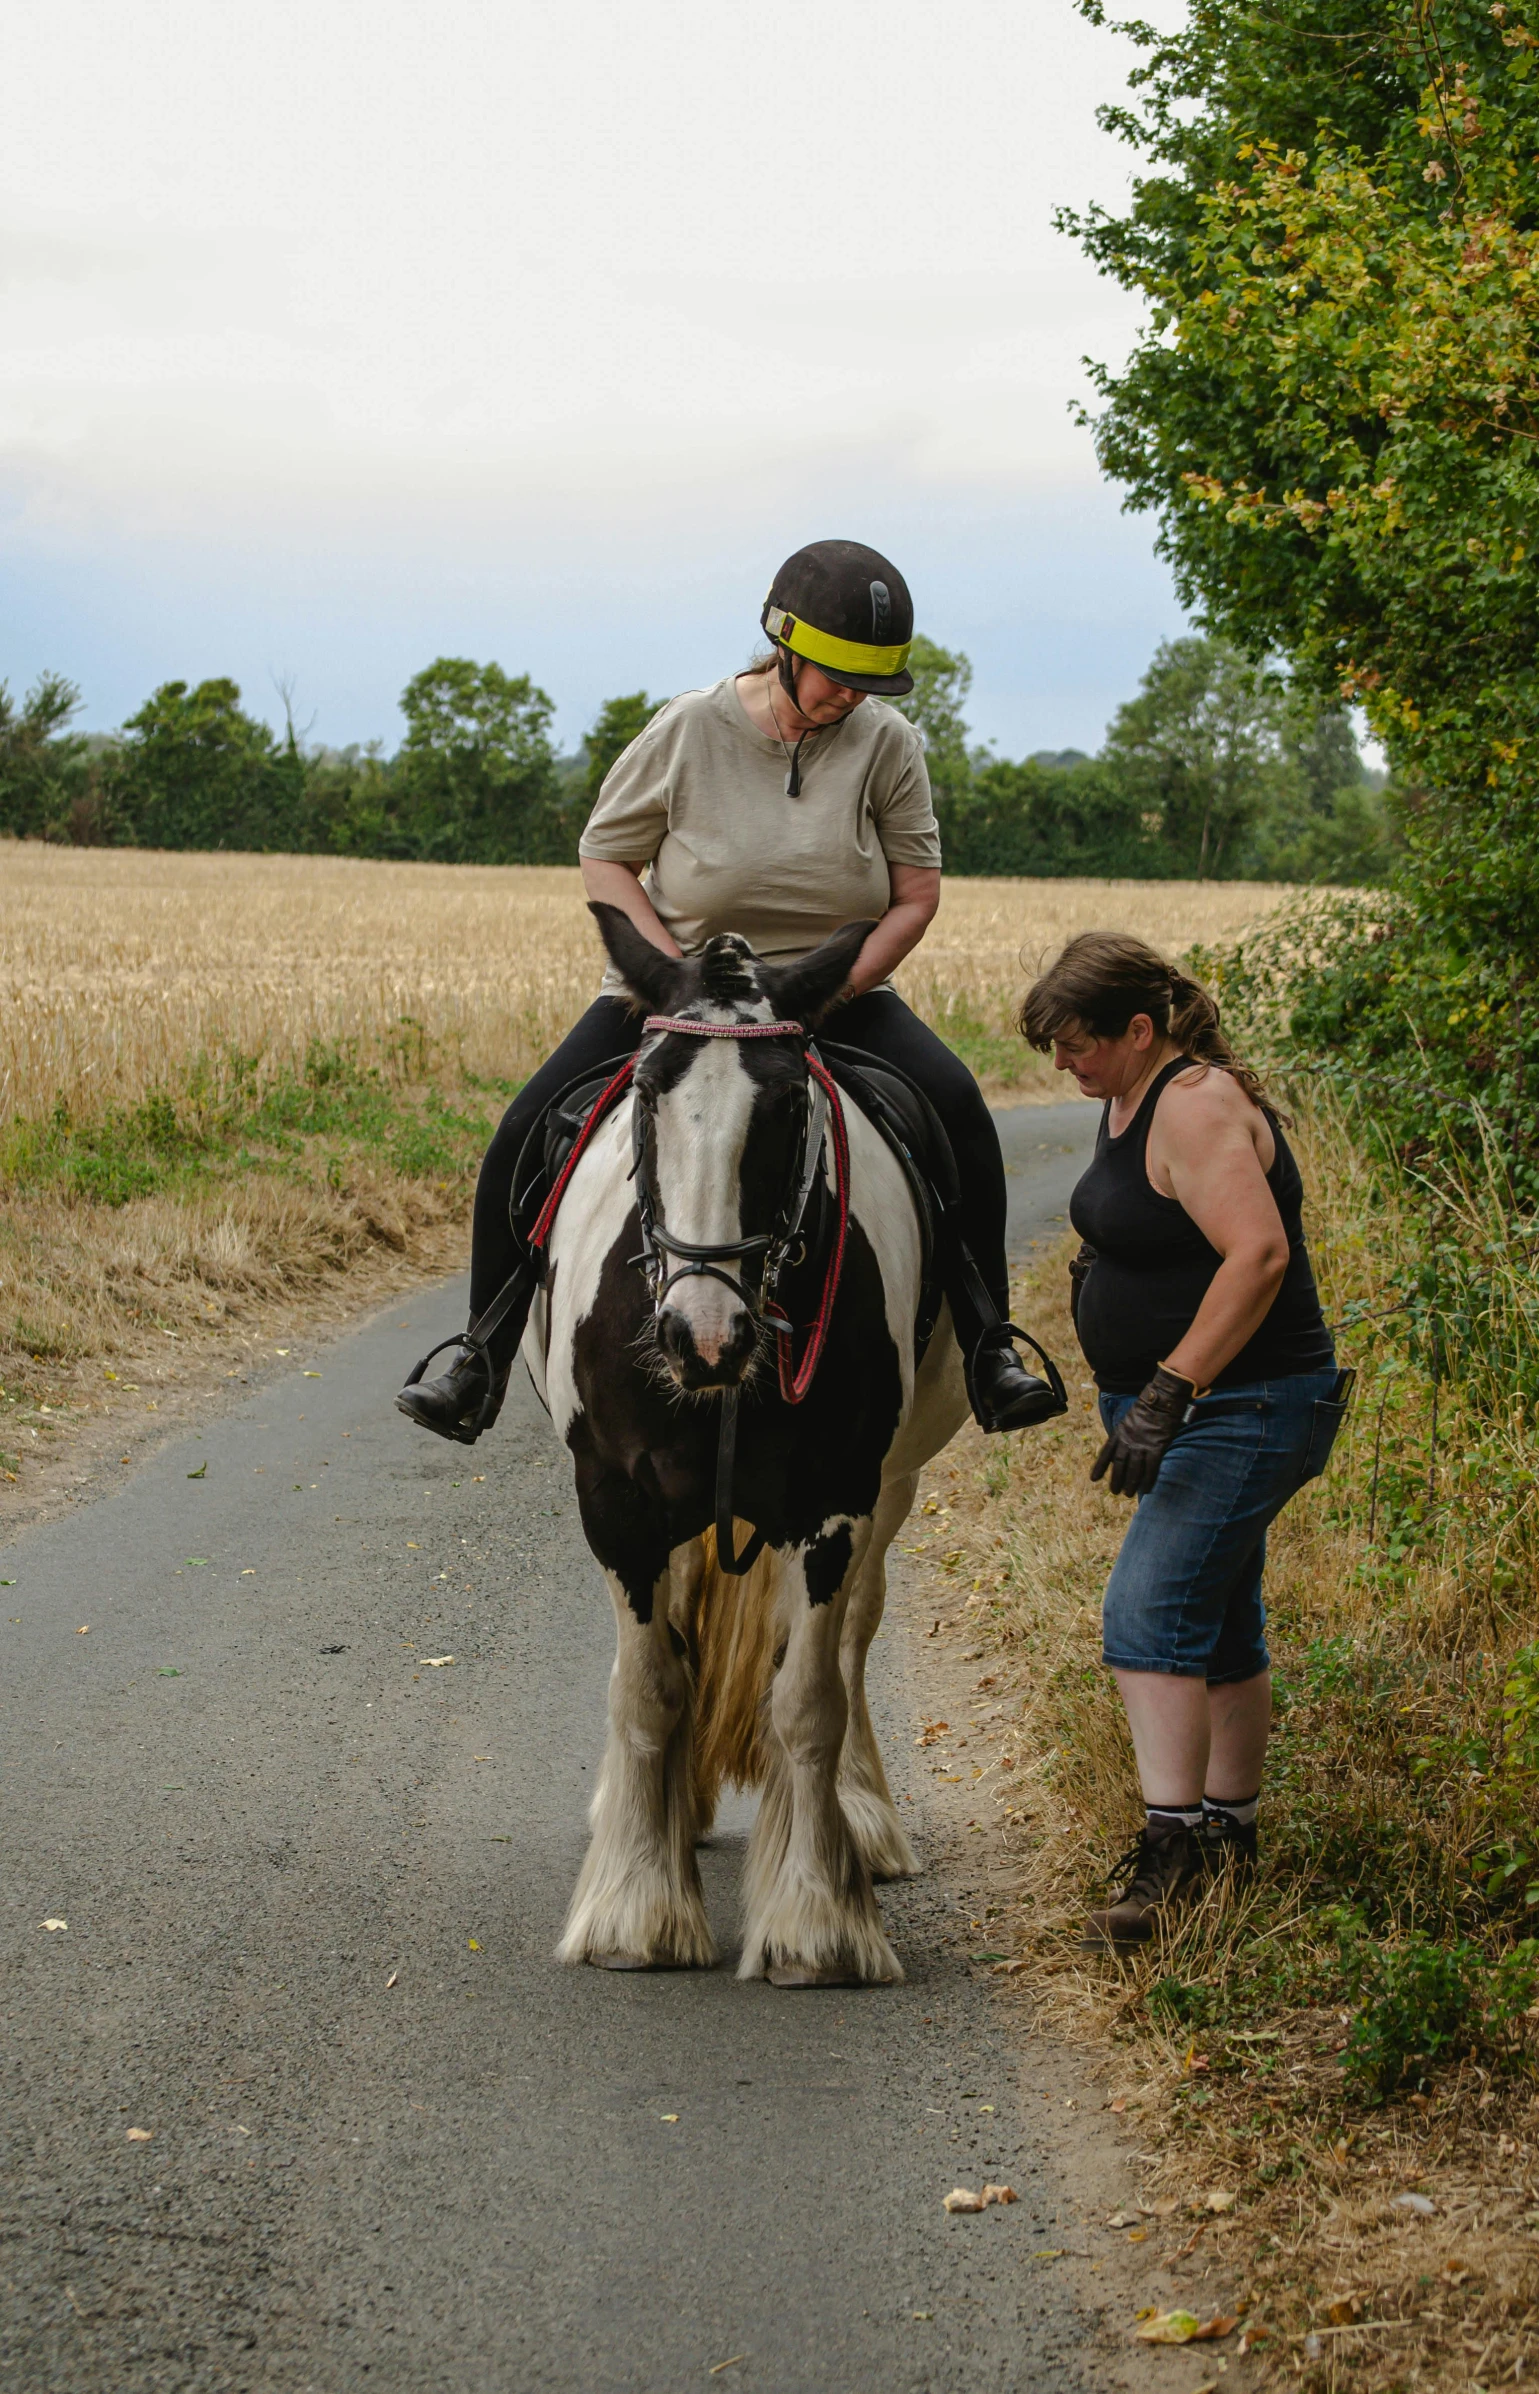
[(787, 671)]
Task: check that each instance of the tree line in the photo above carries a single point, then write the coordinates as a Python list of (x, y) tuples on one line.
[(1218, 767)]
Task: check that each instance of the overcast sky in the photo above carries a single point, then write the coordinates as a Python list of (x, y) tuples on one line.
[(339, 337)]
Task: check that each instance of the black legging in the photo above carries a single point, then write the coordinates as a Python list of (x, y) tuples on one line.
[(879, 1022)]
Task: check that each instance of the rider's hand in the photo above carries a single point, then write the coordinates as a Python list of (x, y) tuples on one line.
[(1136, 1448)]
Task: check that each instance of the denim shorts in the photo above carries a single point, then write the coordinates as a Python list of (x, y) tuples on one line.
[(1185, 1591)]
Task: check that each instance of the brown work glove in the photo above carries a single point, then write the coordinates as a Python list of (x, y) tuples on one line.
[(1136, 1448), (1079, 1273)]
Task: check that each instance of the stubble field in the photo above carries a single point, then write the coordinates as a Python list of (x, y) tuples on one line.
[(123, 970)]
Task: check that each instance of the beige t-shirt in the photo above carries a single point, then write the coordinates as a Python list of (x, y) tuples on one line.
[(700, 799)]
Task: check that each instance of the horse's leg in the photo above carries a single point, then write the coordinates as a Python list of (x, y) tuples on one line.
[(687, 1570), (863, 1789), (812, 1918), (637, 1904)]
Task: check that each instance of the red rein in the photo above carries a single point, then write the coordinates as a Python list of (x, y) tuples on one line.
[(794, 1381)]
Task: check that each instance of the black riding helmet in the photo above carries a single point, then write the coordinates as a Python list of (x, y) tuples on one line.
[(845, 608)]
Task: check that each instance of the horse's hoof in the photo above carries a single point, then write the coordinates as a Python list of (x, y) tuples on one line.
[(797, 1974), (622, 1961)]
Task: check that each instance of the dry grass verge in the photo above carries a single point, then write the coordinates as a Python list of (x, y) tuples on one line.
[(1400, 1770)]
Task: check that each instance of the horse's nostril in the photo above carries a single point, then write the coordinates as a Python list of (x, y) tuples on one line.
[(674, 1335)]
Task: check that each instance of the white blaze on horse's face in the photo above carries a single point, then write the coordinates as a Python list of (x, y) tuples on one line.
[(701, 1134)]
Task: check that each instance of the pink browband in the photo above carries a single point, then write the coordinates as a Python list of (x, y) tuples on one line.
[(722, 1030)]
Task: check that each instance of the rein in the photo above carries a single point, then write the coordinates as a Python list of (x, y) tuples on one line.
[(772, 1250)]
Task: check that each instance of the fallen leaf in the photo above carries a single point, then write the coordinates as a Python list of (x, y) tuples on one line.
[(1344, 2310), (310, 1375), (390, 1981), (1161, 2208), (84, 1630), (1251, 2338), (240, 2131), (140, 2136), (1120, 2104), (56, 1924), (1138, 2235), (670, 2119), (1000, 2194), (438, 1662), (1421, 2204), (1219, 2198), (168, 1671), (474, 1943), (195, 1562), (962, 2198), (201, 1473), (717, 2367), (1182, 2327), (1123, 2219)]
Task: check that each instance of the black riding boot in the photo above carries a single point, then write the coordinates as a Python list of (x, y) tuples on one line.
[(1003, 1393), (460, 1402)]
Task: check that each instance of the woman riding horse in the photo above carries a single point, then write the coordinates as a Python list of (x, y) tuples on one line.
[(778, 804)]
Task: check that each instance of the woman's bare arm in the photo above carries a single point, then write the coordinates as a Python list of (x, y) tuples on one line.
[(915, 896), (620, 885), (1205, 1144)]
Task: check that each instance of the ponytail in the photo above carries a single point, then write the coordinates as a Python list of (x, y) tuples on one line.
[(1103, 978)]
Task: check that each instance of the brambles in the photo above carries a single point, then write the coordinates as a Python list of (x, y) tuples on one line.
[(1426, 2000)]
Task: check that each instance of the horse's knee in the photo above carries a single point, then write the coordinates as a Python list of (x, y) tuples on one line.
[(648, 1693), (809, 1709)]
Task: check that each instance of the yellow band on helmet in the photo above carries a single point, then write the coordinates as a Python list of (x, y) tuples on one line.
[(825, 648)]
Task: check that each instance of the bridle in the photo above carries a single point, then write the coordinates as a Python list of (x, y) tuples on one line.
[(666, 1259), (762, 1257)]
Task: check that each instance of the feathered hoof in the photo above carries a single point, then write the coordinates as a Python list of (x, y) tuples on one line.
[(877, 1835), (855, 1954), (630, 1932)]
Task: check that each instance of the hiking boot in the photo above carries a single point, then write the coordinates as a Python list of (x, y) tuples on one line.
[(1228, 1844), (1167, 1870), (1005, 1395), (461, 1402)]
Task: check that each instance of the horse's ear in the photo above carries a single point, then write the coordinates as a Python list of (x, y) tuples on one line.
[(807, 990), (651, 977)]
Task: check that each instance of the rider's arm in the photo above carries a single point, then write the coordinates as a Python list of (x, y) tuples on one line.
[(620, 885), (915, 896)]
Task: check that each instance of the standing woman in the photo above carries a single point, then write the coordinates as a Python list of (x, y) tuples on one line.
[(780, 803), (1195, 1305)]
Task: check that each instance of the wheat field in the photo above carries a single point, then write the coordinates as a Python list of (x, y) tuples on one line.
[(119, 968)]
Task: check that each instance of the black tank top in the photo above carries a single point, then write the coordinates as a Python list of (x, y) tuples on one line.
[(1153, 1266)]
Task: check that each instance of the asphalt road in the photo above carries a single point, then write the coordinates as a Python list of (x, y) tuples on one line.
[(311, 1887)]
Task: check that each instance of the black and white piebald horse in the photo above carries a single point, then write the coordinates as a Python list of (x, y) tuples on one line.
[(780, 1260)]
